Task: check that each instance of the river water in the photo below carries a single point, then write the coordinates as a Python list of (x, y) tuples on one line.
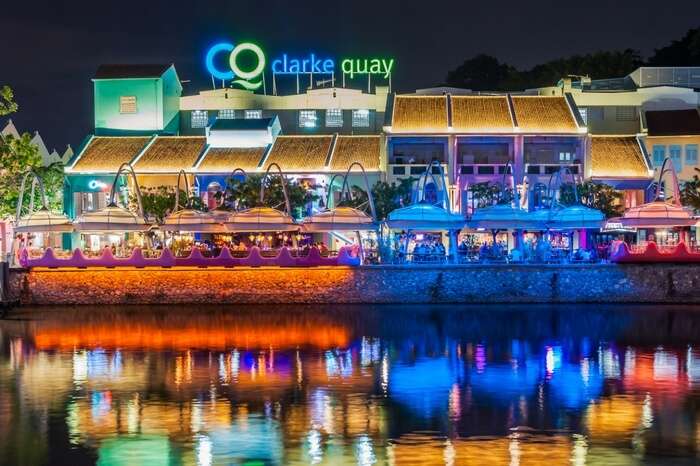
[(404, 385)]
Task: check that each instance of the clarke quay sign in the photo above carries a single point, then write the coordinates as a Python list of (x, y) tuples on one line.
[(249, 75)]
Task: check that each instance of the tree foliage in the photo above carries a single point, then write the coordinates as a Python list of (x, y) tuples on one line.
[(487, 73), (683, 52), (690, 193), (7, 101), (386, 196), (158, 202), (19, 156), (487, 193), (244, 194), (595, 195)]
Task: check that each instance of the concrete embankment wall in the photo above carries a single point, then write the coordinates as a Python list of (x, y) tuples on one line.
[(381, 284)]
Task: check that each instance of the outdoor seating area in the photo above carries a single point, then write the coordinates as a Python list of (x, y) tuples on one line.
[(347, 256)]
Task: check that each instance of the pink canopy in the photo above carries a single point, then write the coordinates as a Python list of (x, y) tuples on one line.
[(657, 214)]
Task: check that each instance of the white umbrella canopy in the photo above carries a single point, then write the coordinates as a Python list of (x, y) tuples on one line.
[(424, 216), (111, 218), (192, 220), (502, 217), (43, 220), (658, 214), (260, 219), (575, 217), (339, 219)]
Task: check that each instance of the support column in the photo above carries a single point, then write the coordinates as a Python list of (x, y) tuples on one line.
[(451, 159), (518, 159)]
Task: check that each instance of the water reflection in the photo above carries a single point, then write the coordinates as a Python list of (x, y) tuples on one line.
[(350, 385)]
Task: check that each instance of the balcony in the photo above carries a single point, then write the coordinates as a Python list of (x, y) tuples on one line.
[(415, 170)]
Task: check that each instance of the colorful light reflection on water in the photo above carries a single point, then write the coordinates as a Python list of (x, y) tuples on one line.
[(576, 385)]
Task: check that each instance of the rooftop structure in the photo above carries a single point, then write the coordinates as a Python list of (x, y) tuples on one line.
[(506, 114)]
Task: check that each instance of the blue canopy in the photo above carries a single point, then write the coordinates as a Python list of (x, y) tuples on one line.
[(424, 216)]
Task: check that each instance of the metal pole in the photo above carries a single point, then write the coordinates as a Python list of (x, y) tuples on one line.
[(343, 78), (264, 85), (369, 83), (297, 83)]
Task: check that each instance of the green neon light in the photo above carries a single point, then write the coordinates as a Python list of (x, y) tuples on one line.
[(247, 84), (380, 66), (247, 75)]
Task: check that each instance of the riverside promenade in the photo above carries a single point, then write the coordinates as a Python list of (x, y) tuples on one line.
[(569, 283)]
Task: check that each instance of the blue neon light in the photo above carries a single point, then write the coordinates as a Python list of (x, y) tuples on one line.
[(213, 70), (286, 65)]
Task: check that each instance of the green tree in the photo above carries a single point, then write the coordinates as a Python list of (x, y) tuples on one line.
[(486, 73), (17, 157), (482, 73), (7, 101), (244, 194), (599, 196), (386, 196), (158, 202), (690, 193), (683, 52), (486, 193)]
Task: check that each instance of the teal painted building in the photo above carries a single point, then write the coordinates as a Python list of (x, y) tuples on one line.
[(136, 100)]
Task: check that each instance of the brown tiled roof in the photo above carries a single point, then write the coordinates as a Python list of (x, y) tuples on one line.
[(171, 154), (543, 114), (219, 160), (300, 153), (489, 114), (419, 114), (617, 156), (363, 149), (108, 153)]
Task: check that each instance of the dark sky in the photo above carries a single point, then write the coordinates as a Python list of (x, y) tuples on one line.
[(50, 50)]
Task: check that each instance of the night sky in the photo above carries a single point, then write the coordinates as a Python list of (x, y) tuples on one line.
[(50, 50)]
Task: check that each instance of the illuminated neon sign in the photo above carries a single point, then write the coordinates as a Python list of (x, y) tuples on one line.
[(97, 184), (353, 66), (248, 77), (286, 65), (311, 64)]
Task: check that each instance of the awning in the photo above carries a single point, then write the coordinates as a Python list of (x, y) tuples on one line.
[(503, 217), (192, 220), (260, 219), (339, 219), (575, 217), (423, 216), (43, 220), (658, 214), (111, 218)]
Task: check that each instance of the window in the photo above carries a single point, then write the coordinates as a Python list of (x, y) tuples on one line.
[(565, 156), (307, 118), (626, 113), (200, 118), (360, 118), (658, 155), (334, 117), (127, 104), (691, 154), (674, 151), (253, 114), (227, 114), (584, 115)]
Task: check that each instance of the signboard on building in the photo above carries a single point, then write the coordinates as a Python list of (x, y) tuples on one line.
[(251, 75)]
